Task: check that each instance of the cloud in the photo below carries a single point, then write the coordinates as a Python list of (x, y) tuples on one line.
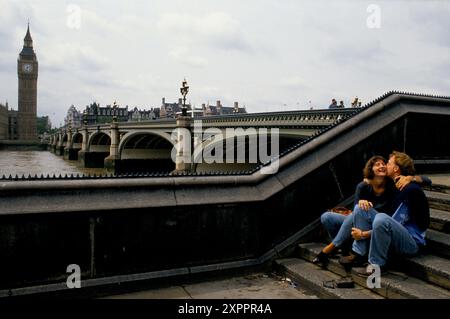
[(14, 18), (100, 26), (432, 21), (222, 31), (183, 55), (6, 41), (216, 30), (293, 82), (363, 54), (73, 58)]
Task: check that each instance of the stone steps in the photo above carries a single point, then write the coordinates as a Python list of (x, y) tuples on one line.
[(438, 188), (438, 243), (430, 268), (438, 200), (397, 284), (440, 220), (427, 267), (311, 277)]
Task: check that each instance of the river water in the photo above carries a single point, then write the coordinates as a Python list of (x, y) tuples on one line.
[(40, 162)]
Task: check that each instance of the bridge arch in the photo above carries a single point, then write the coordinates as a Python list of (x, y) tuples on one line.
[(249, 152), (209, 141), (146, 151), (77, 140), (130, 138), (99, 142), (98, 148), (64, 140), (286, 139)]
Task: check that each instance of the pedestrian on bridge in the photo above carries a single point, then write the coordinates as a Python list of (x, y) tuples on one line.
[(333, 104)]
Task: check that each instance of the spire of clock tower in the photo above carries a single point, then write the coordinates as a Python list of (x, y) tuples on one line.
[(27, 51), (28, 41)]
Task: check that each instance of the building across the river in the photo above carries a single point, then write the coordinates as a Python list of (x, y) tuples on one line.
[(96, 114)]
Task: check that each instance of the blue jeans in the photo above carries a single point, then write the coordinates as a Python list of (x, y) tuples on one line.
[(363, 220), (338, 226), (388, 236)]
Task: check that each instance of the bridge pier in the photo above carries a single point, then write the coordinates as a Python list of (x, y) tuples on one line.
[(112, 165), (68, 150), (71, 154), (52, 148), (60, 145), (112, 162), (183, 162), (92, 159), (55, 143), (59, 150), (50, 143)]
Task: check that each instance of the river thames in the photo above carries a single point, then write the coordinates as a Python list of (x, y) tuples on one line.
[(40, 162)]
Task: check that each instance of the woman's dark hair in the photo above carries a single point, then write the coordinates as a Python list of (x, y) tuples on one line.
[(368, 169)]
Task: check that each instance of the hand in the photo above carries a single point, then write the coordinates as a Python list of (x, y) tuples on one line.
[(366, 180), (402, 181), (357, 233), (365, 204)]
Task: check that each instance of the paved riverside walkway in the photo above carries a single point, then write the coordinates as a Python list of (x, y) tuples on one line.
[(253, 286)]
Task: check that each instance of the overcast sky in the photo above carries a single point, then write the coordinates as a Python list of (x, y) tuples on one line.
[(267, 55)]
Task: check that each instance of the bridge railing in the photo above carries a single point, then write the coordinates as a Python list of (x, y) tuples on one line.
[(303, 117), (297, 114)]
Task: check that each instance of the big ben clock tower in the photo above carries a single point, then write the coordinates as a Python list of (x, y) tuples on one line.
[(27, 71)]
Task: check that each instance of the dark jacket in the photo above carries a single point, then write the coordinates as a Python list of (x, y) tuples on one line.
[(382, 203), (414, 197)]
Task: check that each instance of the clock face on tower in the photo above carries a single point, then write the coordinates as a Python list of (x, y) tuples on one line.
[(27, 67)]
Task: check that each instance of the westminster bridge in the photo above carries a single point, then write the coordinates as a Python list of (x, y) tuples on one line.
[(143, 147)]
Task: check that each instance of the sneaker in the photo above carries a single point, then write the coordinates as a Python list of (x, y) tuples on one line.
[(321, 258), (353, 260)]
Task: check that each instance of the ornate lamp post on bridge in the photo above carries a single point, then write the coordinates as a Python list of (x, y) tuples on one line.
[(114, 112), (184, 91)]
